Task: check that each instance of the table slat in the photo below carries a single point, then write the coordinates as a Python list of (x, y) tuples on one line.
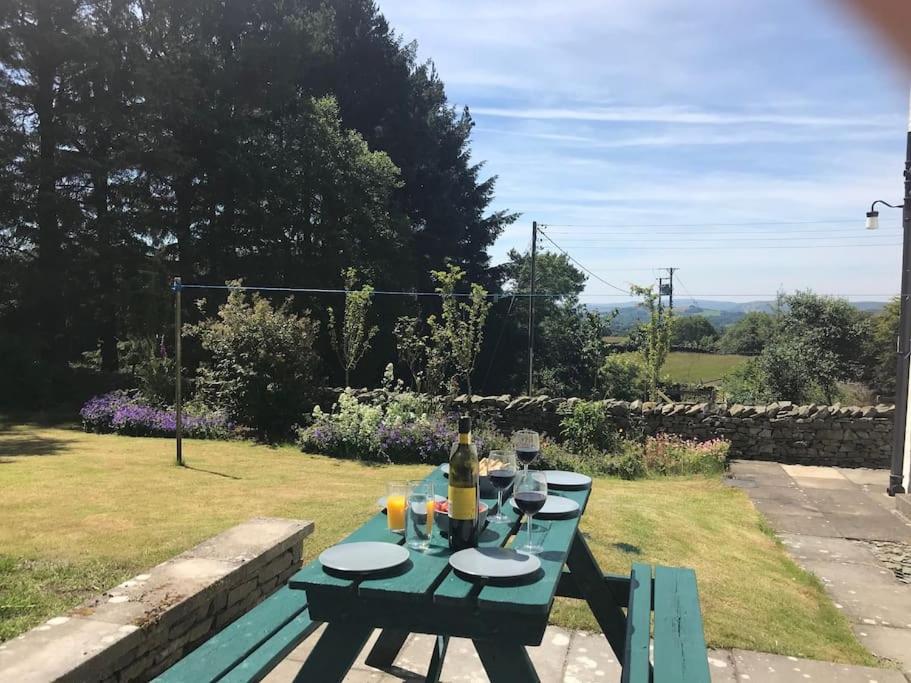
[(556, 537)]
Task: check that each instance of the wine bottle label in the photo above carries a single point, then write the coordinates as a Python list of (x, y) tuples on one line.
[(465, 438), (463, 502)]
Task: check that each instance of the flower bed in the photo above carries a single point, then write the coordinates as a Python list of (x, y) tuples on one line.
[(125, 413)]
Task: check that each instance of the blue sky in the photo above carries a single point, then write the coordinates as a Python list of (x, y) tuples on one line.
[(620, 123)]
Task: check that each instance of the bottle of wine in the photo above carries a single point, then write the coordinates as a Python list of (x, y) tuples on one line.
[(464, 494)]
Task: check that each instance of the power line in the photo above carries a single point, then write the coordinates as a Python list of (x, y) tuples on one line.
[(571, 258), (712, 238), (695, 225), (317, 290), (737, 294), (759, 246), (709, 230)]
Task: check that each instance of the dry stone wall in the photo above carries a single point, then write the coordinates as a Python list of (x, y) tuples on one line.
[(835, 435), (138, 629)]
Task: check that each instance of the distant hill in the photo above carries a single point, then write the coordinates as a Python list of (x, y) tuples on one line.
[(721, 313)]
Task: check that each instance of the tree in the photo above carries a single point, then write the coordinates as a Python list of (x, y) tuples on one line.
[(885, 331), (352, 340), (694, 332), (461, 323), (818, 343), (832, 335), (749, 335), (656, 335), (412, 349), (569, 338)]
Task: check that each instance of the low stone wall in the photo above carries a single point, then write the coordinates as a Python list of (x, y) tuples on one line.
[(139, 628), (836, 435)]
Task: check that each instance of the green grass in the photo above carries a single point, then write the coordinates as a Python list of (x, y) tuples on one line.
[(83, 512), (685, 367)]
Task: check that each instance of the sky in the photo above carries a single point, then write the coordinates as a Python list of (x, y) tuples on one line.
[(741, 142)]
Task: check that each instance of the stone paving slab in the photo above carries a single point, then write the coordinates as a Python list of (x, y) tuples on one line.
[(803, 523), (580, 657), (828, 549), (759, 666), (885, 641), (863, 476), (867, 594)]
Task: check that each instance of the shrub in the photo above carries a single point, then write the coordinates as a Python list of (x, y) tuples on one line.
[(128, 414), (263, 362), (400, 430), (622, 377), (148, 361), (405, 428), (670, 454), (626, 464), (587, 426)]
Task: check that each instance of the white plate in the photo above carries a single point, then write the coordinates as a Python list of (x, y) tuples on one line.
[(558, 479), (554, 506), (381, 502), (494, 563), (366, 556), (444, 468)]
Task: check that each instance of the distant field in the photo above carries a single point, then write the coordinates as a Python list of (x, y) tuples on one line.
[(693, 368)]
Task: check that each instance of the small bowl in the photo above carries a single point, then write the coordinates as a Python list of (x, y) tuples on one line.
[(441, 519)]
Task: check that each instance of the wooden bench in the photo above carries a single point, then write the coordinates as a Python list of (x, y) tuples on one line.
[(250, 647), (680, 655)]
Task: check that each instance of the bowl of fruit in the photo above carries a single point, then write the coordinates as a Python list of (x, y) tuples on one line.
[(441, 515)]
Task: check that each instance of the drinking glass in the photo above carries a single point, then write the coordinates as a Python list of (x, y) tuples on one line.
[(527, 444), (530, 493), (396, 495), (419, 515), (501, 477)]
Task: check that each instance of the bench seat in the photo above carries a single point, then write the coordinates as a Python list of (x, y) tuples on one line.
[(680, 654), (250, 647)]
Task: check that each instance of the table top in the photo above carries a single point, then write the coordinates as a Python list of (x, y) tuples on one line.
[(426, 595)]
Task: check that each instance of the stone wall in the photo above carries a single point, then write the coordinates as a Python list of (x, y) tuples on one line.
[(836, 435), (138, 629)]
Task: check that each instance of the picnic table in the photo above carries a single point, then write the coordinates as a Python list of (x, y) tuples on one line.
[(426, 596)]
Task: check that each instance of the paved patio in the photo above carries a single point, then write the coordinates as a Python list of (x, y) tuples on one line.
[(840, 524), (577, 657)]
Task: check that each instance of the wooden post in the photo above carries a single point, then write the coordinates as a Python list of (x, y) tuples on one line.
[(178, 398)]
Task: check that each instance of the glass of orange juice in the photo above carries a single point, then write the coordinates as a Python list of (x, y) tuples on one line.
[(419, 515), (396, 500)]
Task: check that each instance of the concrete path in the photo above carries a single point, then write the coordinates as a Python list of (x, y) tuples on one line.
[(577, 657), (840, 525)]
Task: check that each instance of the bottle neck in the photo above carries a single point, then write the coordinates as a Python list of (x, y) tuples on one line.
[(465, 438)]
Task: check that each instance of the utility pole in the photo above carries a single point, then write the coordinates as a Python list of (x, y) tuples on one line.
[(531, 306), (660, 292), (670, 296)]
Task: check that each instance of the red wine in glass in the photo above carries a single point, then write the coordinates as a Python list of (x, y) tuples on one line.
[(501, 479), (526, 456), (530, 502)]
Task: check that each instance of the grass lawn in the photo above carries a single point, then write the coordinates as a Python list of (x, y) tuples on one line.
[(693, 368), (82, 512)]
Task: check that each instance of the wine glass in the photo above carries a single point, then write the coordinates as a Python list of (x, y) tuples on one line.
[(527, 444), (530, 493), (501, 476)]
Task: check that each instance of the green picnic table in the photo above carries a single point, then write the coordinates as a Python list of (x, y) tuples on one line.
[(426, 596)]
